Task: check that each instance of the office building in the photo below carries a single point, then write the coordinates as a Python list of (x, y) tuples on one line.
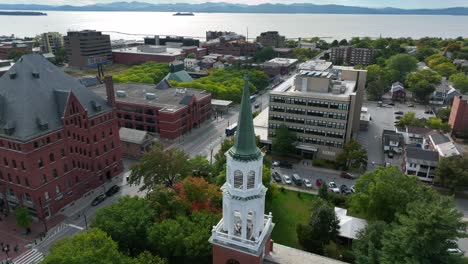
[(169, 53), (158, 41), (51, 42), (210, 35), (272, 39), (58, 140), (88, 48), (323, 109)]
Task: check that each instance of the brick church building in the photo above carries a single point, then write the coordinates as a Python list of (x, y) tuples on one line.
[(58, 140)]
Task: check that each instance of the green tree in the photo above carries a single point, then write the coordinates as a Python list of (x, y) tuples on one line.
[(403, 64), (374, 72), (367, 248), (285, 141), (380, 43), (191, 56), (147, 258), (265, 54), (375, 90), (94, 246), (61, 56), (184, 239), (389, 188), (23, 218), (422, 89), (436, 59), (452, 172), (446, 69), (408, 119), (126, 222), (200, 166), (343, 42), (334, 43), (353, 156), (460, 81), (160, 166), (437, 123), (424, 233), (322, 228), (427, 75), (425, 51), (444, 113), (304, 54), (323, 192), (166, 203)]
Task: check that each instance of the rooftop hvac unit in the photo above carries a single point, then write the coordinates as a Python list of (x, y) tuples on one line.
[(121, 94), (150, 96)]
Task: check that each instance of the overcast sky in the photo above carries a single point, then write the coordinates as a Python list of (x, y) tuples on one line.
[(370, 3)]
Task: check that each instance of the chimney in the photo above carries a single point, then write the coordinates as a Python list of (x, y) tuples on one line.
[(110, 90)]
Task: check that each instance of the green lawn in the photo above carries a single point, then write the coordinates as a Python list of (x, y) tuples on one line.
[(288, 210)]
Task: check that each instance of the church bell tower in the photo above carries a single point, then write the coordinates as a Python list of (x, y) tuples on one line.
[(243, 234)]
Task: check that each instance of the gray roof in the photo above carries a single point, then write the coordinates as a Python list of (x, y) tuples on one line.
[(438, 138), (132, 135), (163, 85), (415, 153), (390, 135), (34, 106)]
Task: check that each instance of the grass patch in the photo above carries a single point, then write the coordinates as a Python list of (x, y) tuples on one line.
[(288, 210)]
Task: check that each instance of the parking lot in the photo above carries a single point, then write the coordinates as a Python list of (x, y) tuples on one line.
[(384, 118), (313, 174)]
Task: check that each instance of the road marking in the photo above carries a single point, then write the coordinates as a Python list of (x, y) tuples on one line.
[(75, 226)]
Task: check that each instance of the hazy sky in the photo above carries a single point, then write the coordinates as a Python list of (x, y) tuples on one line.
[(370, 3)]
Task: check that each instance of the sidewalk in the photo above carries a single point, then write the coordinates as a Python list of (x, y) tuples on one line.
[(14, 236)]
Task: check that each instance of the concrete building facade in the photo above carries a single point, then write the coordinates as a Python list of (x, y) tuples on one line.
[(87, 48), (323, 109), (58, 140), (272, 39), (51, 42)]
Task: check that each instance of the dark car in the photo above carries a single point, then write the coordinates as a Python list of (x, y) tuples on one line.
[(391, 103), (113, 190), (345, 190), (98, 200), (257, 105), (347, 175), (399, 113), (398, 117), (285, 164), (429, 112), (275, 175)]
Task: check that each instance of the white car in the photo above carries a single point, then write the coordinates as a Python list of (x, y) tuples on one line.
[(352, 189), (333, 188), (287, 179), (307, 183)]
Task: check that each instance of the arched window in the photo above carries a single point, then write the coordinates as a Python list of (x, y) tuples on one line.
[(237, 223), (238, 179), (232, 261), (251, 180)]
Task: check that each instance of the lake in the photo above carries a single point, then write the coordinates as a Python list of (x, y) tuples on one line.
[(289, 25)]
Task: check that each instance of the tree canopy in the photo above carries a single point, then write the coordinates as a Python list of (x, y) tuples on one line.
[(93, 246), (452, 172), (354, 156), (160, 166), (126, 222), (403, 64), (285, 141), (23, 217), (149, 73), (460, 81)]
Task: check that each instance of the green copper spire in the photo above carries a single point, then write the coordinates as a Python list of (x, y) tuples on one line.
[(245, 147)]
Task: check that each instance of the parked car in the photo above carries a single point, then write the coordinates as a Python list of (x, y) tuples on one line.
[(113, 190), (390, 155), (398, 117), (297, 179), (275, 175), (333, 188), (283, 164), (287, 179), (391, 103), (345, 190), (429, 112), (347, 175), (98, 200), (257, 105), (352, 189), (307, 183), (455, 251), (410, 105), (399, 113)]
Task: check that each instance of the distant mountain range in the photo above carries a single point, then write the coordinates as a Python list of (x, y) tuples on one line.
[(240, 8)]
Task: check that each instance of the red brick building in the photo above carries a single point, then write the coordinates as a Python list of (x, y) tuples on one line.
[(168, 111), (459, 115), (58, 140), (232, 47)]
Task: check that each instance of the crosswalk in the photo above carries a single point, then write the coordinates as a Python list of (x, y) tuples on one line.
[(32, 256)]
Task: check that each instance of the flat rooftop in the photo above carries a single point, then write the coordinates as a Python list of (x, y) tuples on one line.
[(170, 99), (283, 61), (287, 255), (152, 50), (315, 65)]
